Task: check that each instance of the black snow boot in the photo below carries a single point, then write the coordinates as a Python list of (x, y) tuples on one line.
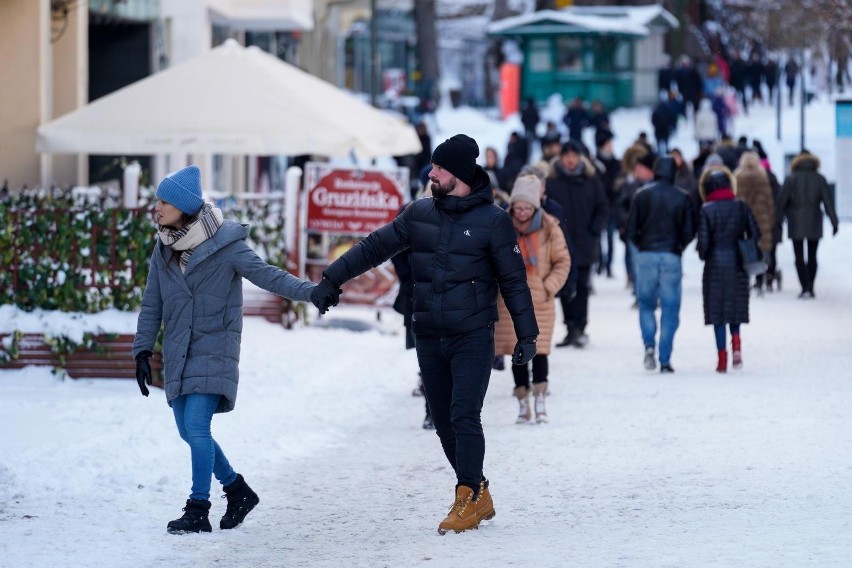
[(194, 518), (241, 500)]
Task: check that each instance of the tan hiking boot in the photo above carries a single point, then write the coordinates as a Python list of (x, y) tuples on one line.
[(539, 393), (524, 412), (466, 513)]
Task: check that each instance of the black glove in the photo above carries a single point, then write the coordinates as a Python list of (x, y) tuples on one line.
[(143, 371), (834, 230), (524, 351), (325, 295)]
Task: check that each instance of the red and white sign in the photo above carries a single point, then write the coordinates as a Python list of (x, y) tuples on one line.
[(353, 202), (342, 206)]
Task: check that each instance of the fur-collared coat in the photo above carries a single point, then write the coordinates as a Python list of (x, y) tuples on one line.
[(804, 190), (754, 189), (583, 198), (554, 264)]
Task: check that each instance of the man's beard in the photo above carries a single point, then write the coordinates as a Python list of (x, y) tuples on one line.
[(442, 190)]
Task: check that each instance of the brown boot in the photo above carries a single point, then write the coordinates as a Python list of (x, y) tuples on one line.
[(466, 513), (539, 392), (524, 412)]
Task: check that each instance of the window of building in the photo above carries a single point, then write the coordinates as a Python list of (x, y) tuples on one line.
[(569, 54)]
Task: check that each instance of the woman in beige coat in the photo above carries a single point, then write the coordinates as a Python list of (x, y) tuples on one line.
[(547, 260), (754, 188)]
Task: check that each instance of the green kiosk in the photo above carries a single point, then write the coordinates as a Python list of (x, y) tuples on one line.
[(608, 53)]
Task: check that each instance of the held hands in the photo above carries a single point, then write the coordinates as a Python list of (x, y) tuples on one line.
[(143, 371), (524, 351), (325, 295)]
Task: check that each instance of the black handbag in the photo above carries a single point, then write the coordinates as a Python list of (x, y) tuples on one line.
[(750, 256)]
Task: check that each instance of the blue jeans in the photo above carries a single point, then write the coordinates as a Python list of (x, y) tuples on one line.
[(455, 372), (193, 414), (658, 276), (719, 331)]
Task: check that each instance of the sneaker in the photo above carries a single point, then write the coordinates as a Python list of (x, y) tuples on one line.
[(581, 341), (650, 360), (666, 368)]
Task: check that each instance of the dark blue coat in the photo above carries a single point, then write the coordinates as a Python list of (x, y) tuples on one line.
[(462, 248), (724, 284)]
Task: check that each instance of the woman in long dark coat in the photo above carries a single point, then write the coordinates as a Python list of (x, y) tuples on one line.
[(722, 222)]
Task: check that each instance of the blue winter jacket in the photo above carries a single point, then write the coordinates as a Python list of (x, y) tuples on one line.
[(201, 310)]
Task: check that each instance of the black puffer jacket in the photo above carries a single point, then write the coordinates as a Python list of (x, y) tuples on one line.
[(462, 248), (724, 283), (581, 194), (661, 218)]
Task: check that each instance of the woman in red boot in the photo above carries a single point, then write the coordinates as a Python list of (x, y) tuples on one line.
[(723, 221)]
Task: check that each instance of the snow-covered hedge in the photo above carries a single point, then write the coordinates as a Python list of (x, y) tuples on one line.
[(75, 251)]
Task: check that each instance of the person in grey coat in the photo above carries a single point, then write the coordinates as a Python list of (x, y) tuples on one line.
[(803, 198), (194, 290)]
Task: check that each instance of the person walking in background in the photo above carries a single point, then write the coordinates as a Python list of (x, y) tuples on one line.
[(755, 76), (547, 264), (517, 154), (611, 173), (530, 118), (574, 183), (660, 225), (803, 198), (685, 179), (706, 124), (791, 71), (754, 190), (576, 119), (739, 78), (773, 276), (724, 285), (664, 121), (463, 251), (493, 169), (689, 83), (599, 118), (770, 76), (194, 291)]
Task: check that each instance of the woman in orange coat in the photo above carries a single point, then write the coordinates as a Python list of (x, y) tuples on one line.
[(547, 260)]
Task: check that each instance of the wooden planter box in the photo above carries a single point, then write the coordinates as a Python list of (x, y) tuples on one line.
[(111, 358)]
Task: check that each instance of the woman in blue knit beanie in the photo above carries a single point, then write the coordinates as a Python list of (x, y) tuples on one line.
[(194, 292)]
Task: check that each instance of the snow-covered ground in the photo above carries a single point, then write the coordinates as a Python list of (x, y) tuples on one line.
[(635, 469)]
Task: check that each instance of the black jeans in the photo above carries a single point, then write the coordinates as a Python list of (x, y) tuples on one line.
[(521, 373), (577, 310), (806, 270), (455, 372)]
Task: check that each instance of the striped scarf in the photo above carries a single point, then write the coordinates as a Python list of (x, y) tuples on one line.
[(187, 238), (528, 240)]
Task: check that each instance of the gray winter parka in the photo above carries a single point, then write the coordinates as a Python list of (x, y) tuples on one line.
[(201, 310)]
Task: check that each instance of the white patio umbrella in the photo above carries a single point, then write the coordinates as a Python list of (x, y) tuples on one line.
[(231, 100)]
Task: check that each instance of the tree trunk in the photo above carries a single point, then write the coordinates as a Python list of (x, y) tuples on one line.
[(427, 50)]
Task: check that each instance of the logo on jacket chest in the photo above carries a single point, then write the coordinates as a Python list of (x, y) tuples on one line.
[(467, 232)]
